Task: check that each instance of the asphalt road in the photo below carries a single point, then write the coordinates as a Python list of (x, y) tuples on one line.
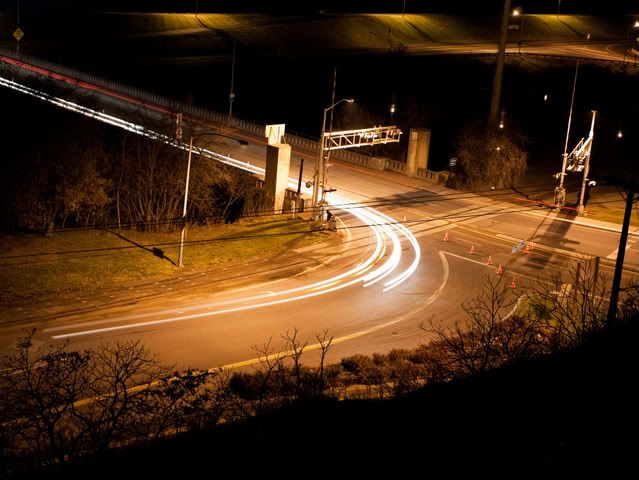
[(218, 320), (361, 289)]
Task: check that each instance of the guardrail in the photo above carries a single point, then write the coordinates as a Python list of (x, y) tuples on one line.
[(437, 177), (170, 104), (396, 166)]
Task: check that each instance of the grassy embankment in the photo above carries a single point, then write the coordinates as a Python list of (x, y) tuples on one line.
[(85, 261)]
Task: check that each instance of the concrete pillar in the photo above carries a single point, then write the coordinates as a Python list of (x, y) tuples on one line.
[(278, 159), (418, 146)]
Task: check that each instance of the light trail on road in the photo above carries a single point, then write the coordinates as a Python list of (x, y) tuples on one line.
[(387, 232)]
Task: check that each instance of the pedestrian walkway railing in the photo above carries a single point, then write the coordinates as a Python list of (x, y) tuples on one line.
[(174, 106)]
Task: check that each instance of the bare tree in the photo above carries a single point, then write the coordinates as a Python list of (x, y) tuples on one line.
[(39, 387), (325, 343), (490, 159), (573, 305), (122, 376), (493, 334), (295, 349)]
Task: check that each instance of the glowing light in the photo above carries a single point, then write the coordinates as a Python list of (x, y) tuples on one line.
[(386, 231)]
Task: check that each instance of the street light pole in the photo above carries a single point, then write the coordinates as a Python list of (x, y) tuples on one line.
[(232, 93), (320, 162), (320, 170), (584, 181), (630, 28), (199, 151), (517, 12), (499, 67), (186, 197), (560, 191)]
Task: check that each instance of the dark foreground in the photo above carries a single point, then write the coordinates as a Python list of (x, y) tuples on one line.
[(572, 415)]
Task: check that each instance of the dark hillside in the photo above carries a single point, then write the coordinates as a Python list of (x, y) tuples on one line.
[(572, 415)]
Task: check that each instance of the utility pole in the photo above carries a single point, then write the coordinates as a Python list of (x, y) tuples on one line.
[(186, 197), (560, 191), (232, 93), (584, 181), (621, 252), (499, 68), (299, 180)]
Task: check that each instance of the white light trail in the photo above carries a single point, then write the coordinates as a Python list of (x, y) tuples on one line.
[(386, 231)]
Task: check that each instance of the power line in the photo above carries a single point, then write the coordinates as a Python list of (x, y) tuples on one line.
[(151, 246)]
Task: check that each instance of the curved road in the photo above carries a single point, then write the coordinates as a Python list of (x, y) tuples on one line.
[(371, 291)]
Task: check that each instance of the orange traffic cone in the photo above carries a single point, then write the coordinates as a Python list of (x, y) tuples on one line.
[(446, 237), (527, 249), (532, 246), (513, 284), (500, 271), (490, 260), (472, 250)]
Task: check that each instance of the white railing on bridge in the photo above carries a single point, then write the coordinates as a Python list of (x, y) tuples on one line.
[(174, 106)]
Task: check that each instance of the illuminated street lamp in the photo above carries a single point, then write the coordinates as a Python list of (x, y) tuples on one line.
[(320, 173), (630, 28), (517, 13), (560, 191)]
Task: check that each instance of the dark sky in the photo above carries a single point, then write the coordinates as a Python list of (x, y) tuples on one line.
[(471, 7)]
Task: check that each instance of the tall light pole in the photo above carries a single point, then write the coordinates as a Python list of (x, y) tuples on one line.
[(517, 12), (232, 93), (186, 189), (635, 25), (499, 67), (584, 181), (186, 198), (560, 190), (320, 171)]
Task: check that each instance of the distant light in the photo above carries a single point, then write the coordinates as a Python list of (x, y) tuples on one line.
[(498, 148), (545, 97), (636, 25), (516, 12), (392, 108), (501, 125), (619, 134), (349, 100)]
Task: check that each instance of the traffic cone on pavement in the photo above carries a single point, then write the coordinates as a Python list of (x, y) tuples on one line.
[(500, 271), (446, 237), (513, 284), (527, 249), (490, 260), (472, 250)]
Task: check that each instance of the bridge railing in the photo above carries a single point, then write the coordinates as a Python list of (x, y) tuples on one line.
[(296, 140)]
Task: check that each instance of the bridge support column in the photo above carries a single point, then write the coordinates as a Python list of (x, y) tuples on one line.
[(418, 146), (278, 159)]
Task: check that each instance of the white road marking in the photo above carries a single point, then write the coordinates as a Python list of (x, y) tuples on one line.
[(629, 245)]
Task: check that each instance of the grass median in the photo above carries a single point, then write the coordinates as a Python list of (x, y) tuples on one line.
[(81, 262)]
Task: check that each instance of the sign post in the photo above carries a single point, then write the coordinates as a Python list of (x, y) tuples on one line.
[(519, 246)]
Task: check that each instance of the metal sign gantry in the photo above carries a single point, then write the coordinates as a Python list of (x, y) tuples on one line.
[(340, 140), (360, 138)]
